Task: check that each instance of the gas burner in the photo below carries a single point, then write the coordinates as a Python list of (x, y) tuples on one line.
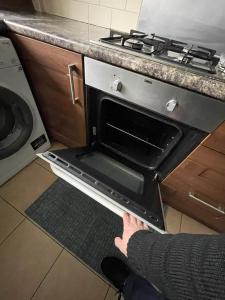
[(135, 44), (171, 50)]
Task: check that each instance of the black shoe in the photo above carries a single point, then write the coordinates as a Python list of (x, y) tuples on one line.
[(116, 271)]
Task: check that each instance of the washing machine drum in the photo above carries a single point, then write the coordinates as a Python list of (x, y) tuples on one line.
[(16, 122)]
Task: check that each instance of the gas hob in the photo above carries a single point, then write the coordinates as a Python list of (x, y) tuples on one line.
[(192, 56)]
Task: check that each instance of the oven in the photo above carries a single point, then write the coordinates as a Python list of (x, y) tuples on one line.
[(139, 130)]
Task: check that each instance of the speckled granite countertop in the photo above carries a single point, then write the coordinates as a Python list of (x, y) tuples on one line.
[(78, 36)]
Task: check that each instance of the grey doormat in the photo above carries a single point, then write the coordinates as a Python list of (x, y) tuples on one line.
[(78, 222)]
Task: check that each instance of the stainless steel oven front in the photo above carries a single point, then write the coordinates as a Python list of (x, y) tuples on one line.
[(139, 130)]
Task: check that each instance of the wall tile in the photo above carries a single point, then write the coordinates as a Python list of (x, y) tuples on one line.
[(99, 15), (77, 10), (120, 4), (66, 8), (54, 7), (37, 5), (48, 6), (134, 5), (121, 15), (123, 20), (96, 32)]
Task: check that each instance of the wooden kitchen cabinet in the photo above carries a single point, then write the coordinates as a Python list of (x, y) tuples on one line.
[(22, 5), (197, 186), (216, 140), (46, 67)]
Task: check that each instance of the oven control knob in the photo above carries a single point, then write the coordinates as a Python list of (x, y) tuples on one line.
[(117, 85), (171, 104)]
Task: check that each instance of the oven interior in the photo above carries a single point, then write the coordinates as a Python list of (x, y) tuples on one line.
[(139, 137)]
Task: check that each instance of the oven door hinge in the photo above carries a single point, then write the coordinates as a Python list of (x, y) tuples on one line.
[(157, 177)]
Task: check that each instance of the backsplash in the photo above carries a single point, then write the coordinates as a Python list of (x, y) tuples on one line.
[(116, 14)]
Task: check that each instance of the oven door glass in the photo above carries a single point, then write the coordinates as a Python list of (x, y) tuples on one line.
[(126, 184)]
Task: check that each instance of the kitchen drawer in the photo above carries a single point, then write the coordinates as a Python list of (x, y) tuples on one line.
[(180, 200), (210, 159), (199, 182), (45, 54), (216, 140), (201, 179), (197, 186)]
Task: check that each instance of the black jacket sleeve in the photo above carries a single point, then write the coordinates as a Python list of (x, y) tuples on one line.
[(182, 266)]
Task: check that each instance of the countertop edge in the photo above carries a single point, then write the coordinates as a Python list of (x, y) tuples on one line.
[(167, 73)]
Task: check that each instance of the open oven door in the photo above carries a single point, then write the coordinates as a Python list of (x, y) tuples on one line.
[(118, 185)]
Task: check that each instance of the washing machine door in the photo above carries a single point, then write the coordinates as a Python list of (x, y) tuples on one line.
[(16, 122)]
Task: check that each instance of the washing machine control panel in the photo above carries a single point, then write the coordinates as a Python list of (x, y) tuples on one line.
[(8, 55)]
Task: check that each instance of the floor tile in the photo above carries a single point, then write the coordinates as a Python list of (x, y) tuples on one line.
[(25, 258), (9, 219), (189, 225), (111, 295), (173, 220), (57, 146), (43, 163), (24, 188), (69, 280)]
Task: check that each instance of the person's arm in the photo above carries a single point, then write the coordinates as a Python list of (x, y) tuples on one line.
[(182, 266)]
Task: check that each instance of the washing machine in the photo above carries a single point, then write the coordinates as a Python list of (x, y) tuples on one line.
[(22, 133)]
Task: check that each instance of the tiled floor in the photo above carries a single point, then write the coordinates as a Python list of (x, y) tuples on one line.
[(35, 266)]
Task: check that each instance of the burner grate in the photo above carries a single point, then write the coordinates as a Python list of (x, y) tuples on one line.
[(179, 52)]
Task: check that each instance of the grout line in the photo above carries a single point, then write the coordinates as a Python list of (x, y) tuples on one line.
[(44, 231), (125, 5), (68, 250), (57, 242), (46, 274), (10, 204), (50, 171), (2, 242), (111, 13), (89, 268), (107, 292), (181, 220), (88, 17), (26, 217)]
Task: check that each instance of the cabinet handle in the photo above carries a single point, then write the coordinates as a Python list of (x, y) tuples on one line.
[(219, 209), (72, 70)]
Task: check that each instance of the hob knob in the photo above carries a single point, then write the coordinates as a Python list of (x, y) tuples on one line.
[(171, 104), (117, 85)]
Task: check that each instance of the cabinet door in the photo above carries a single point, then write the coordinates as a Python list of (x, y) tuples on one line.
[(22, 5), (197, 187), (47, 69)]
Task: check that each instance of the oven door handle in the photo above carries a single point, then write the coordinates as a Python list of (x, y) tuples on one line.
[(72, 70), (219, 209)]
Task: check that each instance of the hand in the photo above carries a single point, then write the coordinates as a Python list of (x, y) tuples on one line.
[(130, 226)]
